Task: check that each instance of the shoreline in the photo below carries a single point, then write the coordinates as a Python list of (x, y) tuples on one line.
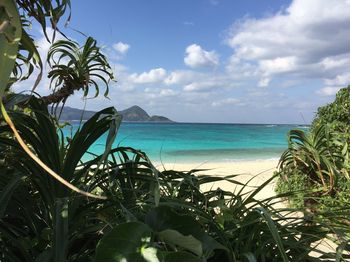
[(253, 172), (228, 166), (211, 161)]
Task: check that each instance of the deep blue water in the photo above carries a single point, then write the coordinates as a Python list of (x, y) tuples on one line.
[(188, 142)]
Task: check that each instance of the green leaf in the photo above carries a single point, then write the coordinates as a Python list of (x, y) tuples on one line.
[(163, 217), (125, 242), (28, 45), (274, 231), (10, 35), (250, 257), (190, 243)]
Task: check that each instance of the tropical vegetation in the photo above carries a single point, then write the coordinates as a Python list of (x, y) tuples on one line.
[(61, 202), (316, 164), (336, 115)]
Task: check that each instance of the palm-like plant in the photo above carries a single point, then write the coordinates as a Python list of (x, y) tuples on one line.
[(76, 68), (35, 208), (315, 155)]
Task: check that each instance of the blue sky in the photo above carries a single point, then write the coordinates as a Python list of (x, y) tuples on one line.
[(219, 60)]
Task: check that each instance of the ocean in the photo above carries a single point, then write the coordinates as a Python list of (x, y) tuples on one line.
[(195, 142)]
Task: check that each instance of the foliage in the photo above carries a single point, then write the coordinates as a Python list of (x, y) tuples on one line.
[(315, 167), (313, 155), (42, 219), (47, 199), (82, 68), (10, 36), (336, 114)]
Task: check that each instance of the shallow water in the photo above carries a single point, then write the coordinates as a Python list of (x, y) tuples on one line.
[(193, 142)]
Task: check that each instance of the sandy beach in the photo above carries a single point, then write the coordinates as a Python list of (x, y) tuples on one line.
[(257, 170)]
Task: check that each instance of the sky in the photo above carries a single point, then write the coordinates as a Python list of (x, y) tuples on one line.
[(252, 61)]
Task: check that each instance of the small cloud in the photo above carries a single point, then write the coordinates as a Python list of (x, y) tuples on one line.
[(196, 57), (341, 80), (181, 77), (153, 76), (264, 82), (328, 91), (160, 93), (278, 65), (214, 2), (200, 86), (121, 47), (227, 101), (187, 23)]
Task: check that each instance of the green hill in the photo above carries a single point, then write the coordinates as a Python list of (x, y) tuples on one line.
[(131, 114)]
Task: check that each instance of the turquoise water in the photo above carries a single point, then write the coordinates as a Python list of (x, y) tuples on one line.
[(187, 142)]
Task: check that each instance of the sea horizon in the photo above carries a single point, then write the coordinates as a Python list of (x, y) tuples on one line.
[(209, 123)]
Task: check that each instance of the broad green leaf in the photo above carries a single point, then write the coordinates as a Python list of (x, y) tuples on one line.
[(190, 243), (163, 217), (10, 35), (126, 242)]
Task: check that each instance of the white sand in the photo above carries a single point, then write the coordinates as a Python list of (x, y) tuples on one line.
[(260, 169)]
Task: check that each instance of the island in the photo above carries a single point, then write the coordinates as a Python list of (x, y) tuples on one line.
[(131, 114)]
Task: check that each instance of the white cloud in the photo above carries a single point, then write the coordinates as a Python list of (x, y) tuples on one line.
[(264, 82), (309, 39), (121, 47), (339, 80), (277, 65), (200, 86), (196, 57), (181, 77), (211, 82), (328, 91), (240, 68), (188, 23), (226, 101), (160, 92), (335, 62), (153, 76)]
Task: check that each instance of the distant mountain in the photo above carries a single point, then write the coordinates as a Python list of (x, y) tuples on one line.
[(70, 113), (134, 114)]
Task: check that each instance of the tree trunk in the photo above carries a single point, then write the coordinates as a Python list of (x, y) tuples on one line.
[(59, 95)]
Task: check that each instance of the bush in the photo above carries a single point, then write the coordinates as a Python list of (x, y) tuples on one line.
[(336, 114), (315, 167)]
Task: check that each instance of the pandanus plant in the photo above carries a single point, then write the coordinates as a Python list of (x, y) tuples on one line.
[(76, 68), (315, 155), (40, 218), (81, 65)]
